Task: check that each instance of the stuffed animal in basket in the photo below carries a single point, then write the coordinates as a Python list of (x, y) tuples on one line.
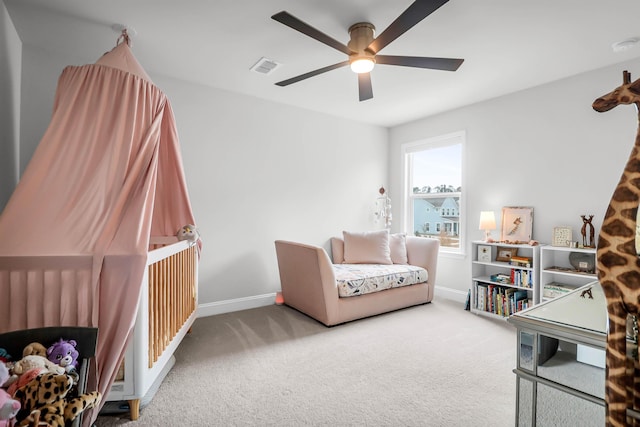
[(189, 233), (33, 361), (29, 363), (64, 353), (24, 379), (4, 356), (8, 407), (34, 349), (46, 399)]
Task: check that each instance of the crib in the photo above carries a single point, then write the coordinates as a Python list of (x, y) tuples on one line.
[(167, 310), (74, 236), (62, 284)]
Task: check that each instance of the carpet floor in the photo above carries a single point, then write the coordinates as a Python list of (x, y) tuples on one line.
[(430, 365)]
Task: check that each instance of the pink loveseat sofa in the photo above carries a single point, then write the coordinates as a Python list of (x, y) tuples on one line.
[(308, 281)]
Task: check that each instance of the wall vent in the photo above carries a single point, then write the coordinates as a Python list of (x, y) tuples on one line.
[(265, 66)]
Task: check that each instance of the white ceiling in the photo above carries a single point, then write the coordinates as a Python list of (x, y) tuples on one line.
[(507, 45)]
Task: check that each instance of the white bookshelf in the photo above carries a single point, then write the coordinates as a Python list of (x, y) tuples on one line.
[(556, 271), (484, 286)]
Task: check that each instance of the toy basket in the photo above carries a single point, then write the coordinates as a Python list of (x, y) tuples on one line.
[(86, 339)]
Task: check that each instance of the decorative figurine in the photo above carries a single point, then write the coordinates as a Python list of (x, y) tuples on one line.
[(587, 223), (383, 208), (618, 268), (587, 292)]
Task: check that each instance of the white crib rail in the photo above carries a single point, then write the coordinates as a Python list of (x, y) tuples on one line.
[(171, 294), (167, 310)]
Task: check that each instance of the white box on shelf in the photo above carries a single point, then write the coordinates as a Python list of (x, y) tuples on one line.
[(484, 253)]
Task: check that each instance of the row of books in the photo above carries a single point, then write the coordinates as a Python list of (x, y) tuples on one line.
[(522, 278), (500, 300), (517, 277)]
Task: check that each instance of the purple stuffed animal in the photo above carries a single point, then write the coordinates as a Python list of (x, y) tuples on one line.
[(64, 353)]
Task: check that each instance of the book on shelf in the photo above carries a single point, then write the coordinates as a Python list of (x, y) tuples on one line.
[(501, 278), (481, 294), (555, 289), (520, 261)]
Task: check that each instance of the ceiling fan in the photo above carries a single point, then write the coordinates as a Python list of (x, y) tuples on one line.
[(363, 48)]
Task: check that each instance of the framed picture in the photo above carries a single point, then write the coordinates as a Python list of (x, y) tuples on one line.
[(504, 254), (562, 236), (517, 224), (484, 253)]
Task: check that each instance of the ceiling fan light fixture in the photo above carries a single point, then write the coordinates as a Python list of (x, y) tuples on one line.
[(361, 35), (363, 47), (362, 64)]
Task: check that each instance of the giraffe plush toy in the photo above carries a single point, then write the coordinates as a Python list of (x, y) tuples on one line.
[(619, 270)]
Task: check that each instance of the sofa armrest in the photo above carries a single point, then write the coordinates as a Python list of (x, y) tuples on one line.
[(307, 279), (423, 252)]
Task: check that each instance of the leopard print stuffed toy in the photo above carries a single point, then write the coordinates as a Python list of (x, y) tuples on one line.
[(45, 399)]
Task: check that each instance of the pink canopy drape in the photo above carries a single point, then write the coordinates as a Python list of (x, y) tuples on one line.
[(106, 176)]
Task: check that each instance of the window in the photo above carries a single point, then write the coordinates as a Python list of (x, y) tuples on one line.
[(433, 190)]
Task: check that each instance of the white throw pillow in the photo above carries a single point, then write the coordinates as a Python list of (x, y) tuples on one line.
[(398, 247), (369, 247)]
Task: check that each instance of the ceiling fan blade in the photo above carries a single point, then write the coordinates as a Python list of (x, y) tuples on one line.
[(446, 64), (415, 13), (312, 73), (298, 25), (364, 86)]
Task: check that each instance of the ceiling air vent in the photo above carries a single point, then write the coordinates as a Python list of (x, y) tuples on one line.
[(265, 66)]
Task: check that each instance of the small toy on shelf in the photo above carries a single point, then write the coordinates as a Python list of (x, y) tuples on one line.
[(586, 224)]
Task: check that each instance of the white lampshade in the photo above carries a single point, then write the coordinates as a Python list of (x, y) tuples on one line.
[(487, 220), (487, 223)]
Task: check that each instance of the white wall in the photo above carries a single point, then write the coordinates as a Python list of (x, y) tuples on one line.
[(10, 66), (257, 171), (544, 147)]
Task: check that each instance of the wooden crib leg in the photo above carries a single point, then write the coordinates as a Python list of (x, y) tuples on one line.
[(134, 409)]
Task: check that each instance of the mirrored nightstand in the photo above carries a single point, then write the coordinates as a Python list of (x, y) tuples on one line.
[(561, 360)]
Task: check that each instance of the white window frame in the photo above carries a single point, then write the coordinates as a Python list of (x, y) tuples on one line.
[(459, 137)]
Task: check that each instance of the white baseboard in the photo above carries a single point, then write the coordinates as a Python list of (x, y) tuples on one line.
[(237, 304), (452, 294)]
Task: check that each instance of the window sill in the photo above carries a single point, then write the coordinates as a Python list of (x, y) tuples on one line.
[(452, 255)]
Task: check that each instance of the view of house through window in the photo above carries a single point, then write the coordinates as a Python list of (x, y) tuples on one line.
[(433, 177)]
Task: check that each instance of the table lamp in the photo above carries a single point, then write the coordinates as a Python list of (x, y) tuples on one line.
[(487, 223)]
